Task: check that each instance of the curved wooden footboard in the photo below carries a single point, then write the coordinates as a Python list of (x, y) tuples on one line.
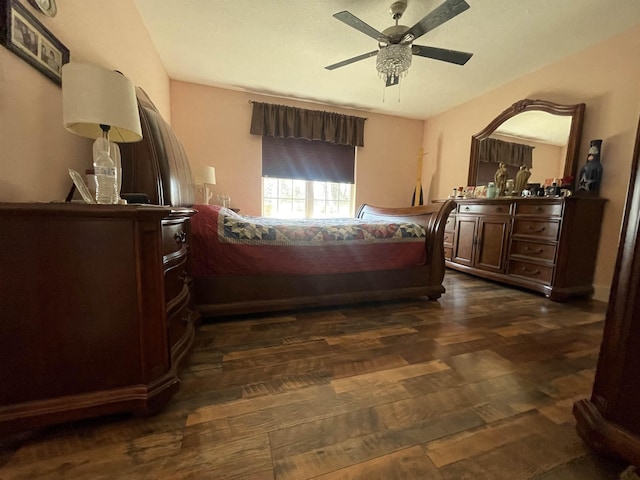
[(219, 295), (432, 217)]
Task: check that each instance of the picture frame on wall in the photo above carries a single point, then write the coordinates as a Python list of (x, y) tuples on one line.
[(25, 36)]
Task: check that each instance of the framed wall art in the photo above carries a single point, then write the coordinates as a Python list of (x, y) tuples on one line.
[(25, 36)]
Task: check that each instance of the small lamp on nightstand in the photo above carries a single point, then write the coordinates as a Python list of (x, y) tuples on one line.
[(100, 103), (209, 179)]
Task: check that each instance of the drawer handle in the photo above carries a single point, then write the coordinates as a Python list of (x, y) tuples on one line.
[(466, 209), (530, 272), (531, 250), (180, 237), (538, 209), (498, 209), (535, 230)]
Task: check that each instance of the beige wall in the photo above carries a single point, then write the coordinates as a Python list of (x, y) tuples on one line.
[(606, 78), (213, 124), (36, 149), (548, 162)]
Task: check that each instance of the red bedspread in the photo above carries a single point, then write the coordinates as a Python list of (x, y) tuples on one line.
[(225, 243)]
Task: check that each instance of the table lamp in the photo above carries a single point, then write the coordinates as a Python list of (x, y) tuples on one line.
[(209, 179), (101, 104)]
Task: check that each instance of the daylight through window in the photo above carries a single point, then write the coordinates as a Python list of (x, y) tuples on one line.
[(290, 198)]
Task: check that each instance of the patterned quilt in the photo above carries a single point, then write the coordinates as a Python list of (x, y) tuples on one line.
[(235, 228), (225, 243)]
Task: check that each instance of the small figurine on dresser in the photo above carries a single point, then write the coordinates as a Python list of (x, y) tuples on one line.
[(591, 174), (500, 178), (522, 177)]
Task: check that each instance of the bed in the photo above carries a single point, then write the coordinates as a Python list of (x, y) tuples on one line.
[(293, 274)]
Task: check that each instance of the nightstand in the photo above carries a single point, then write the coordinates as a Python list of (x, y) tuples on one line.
[(96, 310)]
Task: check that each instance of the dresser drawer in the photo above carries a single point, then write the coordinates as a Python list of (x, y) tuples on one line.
[(448, 238), (547, 230), (547, 210), (539, 251), (450, 225), (486, 209), (174, 238), (448, 253), (176, 280), (531, 271), (177, 325)]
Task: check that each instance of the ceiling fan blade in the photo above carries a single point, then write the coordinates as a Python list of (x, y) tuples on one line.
[(352, 60), (443, 13), (353, 21), (451, 56)]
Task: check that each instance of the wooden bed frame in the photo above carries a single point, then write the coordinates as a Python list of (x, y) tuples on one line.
[(236, 294), (158, 167)]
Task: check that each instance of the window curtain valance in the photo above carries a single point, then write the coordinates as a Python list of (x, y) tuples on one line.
[(492, 150), (281, 121)]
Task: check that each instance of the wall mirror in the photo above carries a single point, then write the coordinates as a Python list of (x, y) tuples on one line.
[(553, 130)]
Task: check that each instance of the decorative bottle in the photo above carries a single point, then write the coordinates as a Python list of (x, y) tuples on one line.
[(591, 174), (105, 173), (509, 186), (491, 190)]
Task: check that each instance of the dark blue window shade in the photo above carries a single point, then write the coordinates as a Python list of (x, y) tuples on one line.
[(307, 160)]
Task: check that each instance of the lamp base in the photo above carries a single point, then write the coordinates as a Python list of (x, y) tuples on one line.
[(207, 194)]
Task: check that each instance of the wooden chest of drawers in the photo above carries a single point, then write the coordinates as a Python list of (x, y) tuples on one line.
[(546, 244), (95, 305)]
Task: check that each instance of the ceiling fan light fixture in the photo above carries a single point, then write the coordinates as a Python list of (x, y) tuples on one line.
[(393, 61)]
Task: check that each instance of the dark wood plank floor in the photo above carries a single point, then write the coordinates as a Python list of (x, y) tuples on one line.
[(478, 385)]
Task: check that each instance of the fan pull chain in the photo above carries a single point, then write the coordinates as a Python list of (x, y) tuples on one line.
[(384, 90)]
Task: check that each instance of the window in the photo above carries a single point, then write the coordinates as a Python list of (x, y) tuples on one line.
[(291, 198), (307, 179)]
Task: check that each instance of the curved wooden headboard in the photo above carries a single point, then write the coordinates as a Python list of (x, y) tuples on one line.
[(157, 165)]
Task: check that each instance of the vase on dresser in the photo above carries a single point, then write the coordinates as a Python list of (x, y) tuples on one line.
[(591, 173)]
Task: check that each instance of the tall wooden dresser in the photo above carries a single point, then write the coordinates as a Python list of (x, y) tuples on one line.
[(548, 245), (95, 310)]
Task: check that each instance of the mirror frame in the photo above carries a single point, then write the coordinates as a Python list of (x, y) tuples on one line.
[(573, 145)]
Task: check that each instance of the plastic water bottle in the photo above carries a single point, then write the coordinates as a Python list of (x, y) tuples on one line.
[(105, 173)]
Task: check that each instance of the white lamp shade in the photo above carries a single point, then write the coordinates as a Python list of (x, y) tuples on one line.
[(210, 175), (94, 96)]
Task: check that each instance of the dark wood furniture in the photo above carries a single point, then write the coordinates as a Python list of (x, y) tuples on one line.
[(96, 310), (548, 245), (235, 294), (158, 166), (610, 420)]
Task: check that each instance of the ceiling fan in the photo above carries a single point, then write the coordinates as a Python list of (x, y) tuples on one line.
[(395, 44)]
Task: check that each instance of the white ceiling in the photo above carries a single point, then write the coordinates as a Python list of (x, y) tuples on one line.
[(280, 48)]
